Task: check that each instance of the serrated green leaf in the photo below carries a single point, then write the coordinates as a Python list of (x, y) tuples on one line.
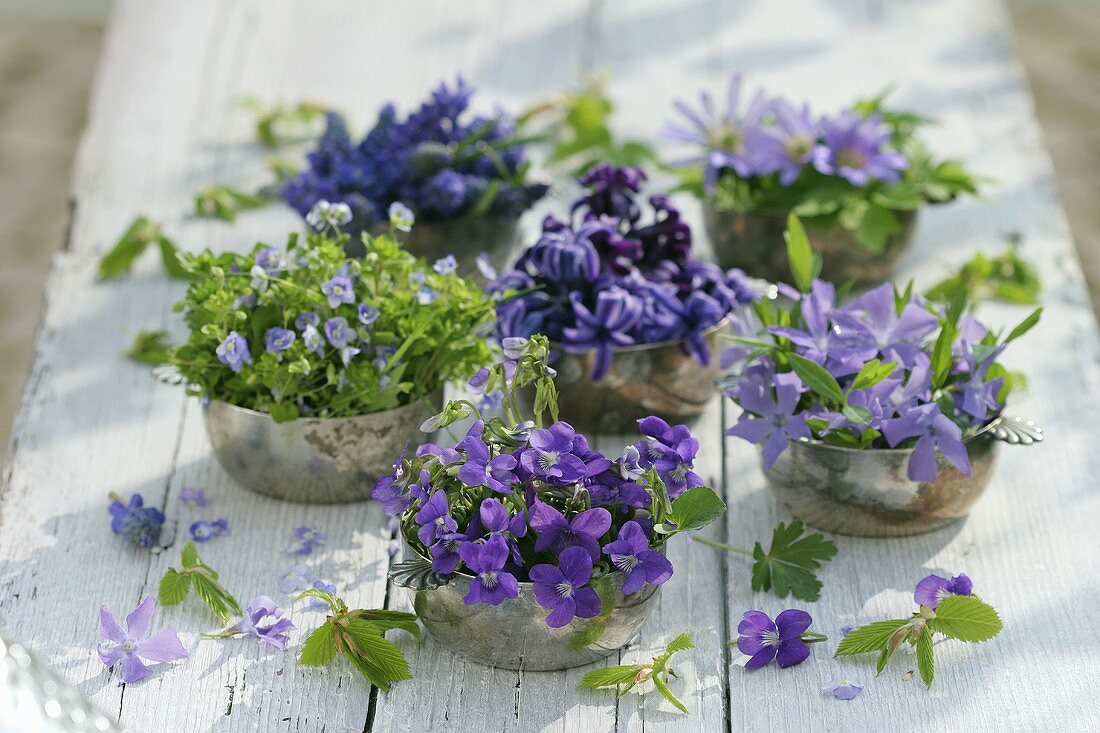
[(667, 693), (966, 618), (376, 657), (610, 676), (320, 647), (817, 378), (800, 254), (386, 620), (869, 638), (788, 566), (696, 508), (215, 597), (681, 643), (189, 558), (174, 587), (926, 663), (336, 604)]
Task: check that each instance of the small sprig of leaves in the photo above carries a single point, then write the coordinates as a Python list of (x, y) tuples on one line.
[(141, 233), (197, 575), (1007, 277), (966, 618), (225, 202), (624, 677), (280, 124), (150, 347), (789, 565), (360, 636)]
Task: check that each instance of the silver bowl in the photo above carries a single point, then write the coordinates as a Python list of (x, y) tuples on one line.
[(465, 239), (867, 493), (659, 379), (514, 635), (754, 242), (312, 460)]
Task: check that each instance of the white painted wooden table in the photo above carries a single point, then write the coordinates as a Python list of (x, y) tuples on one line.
[(163, 123)]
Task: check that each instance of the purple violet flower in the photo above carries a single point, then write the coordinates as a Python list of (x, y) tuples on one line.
[(491, 584), (549, 455), (204, 531), (306, 539), (233, 351), (563, 588), (934, 588), (632, 555), (479, 470), (138, 524), (134, 644), (857, 149), (435, 519), (558, 534), (338, 290), (764, 640), (265, 621), (671, 450), (445, 552)]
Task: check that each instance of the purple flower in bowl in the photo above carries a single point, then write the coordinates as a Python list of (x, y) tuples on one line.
[(550, 454), (771, 415), (557, 533), (338, 290), (563, 588), (491, 583), (633, 557), (233, 352), (857, 149)]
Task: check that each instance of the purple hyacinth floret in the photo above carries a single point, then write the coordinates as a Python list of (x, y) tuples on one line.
[(934, 588), (138, 524), (564, 588), (764, 640)]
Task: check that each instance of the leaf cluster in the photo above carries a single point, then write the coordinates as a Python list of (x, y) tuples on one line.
[(280, 124), (203, 579), (625, 677), (225, 202), (150, 347), (360, 636), (139, 235), (1007, 277)]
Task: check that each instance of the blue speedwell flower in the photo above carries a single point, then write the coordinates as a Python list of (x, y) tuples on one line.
[(278, 339), (204, 531), (233, 351)]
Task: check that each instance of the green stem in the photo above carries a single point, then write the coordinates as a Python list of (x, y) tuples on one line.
[(813, 637), (720, 545)]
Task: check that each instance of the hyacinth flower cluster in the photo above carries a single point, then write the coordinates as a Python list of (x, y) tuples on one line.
[(305, 331), (608, 279), (514, 502), (887, 370), (857, 168), (442, 161)]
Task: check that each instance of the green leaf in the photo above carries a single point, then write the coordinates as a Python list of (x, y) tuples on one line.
[(173, 588), (858, 415), (215, 597), (170, 258), (190, 556), (376, 658), (965, 618), (320, 647), (386, 620), (138, 236), (335, 603), (941, 355), (876, 226), (1025, 325), (817, 378), (611, 676), (681, 643), (872, 373), (800, 254), (225, 202), (695, 509), (788, 566), (150, 347), (926, 663), (869, 638), (667, 693)]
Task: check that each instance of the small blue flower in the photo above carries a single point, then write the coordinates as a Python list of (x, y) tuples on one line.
[(843, 690), (138, 524), (338, 333), (233, 352), (368, 314), (445, 265), (309, 318), (485, 267), (417, 278), (323, 212), (311, 337), (425, 295), (305, 540), (279, 339), (347, 353), (192, 496), (338, 290), (401, 217), (204, 531)]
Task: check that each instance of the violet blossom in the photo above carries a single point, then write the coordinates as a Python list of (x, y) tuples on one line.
[(633, 557), (563, 588), (306, 540), (265, 621), (764, 640), (549, 455), (491, 583), (934, 588), (557, 533), (127, 648), (138, 524)]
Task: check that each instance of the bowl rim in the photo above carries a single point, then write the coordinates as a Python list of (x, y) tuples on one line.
[(724, 323), (782, 214), (206, 402)]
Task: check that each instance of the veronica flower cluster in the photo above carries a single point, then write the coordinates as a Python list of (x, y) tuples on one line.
[(887, 370), (610, 279), (305, 331), (854, 168), (513, 502), (439, 160)]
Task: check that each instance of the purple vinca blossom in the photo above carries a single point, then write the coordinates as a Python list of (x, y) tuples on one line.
[(842, 690), (934, 588), (338, 333), (770, 418), (872, 325), (204, 531), (306, 539), (764, 640), (338, 290), (933, 430), (558, 534), (435, 519), (134, 644), (550, 454), (785, 147), (857, 149), (491, 584), (632, 555), (265, 621), (602, 329), (278, 339), (138, 524), (233, 351), (816, 308), (563, 588)]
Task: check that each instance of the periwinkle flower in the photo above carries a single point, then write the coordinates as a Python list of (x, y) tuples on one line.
[(338, 290), (138, 524), (306, 540), (277, 340), (265, 621), (635, 559), (934, 588), (564, 588), (401, 217), (764, 640), (435, 518), (549, 454), (204, 531), (857, 148), (338, 333), (491, 584), (233, 351), (130, 646), (872, 325), (557, 533), (770, 415), (368, 314), (933, 430), (842, 690)]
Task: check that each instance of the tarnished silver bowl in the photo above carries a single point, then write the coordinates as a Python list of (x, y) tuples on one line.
[(659, 379), (754, 242), (514, 635), (867, 493), (312, 460), (465, 239)]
